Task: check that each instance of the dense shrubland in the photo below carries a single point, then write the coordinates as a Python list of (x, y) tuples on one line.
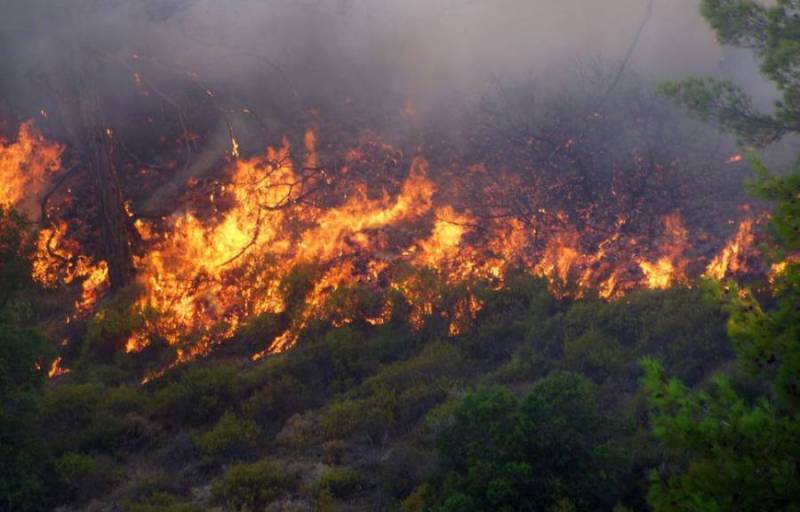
[(369, 417)]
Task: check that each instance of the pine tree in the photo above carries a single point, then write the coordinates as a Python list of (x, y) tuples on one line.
[(726, 449)]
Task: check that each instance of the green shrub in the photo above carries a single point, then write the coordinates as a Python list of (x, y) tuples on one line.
[(500, 453), (684, 327), (525, 365), (160, 502), (197, 394), (595, 354), (84, 476), (22, 450), (73, 468), (78, 417), (372, 416), (231, 437), (252, 337), (253, 486), (108, 328), (351, 359), (281, 395), (341, 483)]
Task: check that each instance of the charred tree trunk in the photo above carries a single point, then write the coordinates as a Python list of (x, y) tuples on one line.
[(111, 211), (111, 216)]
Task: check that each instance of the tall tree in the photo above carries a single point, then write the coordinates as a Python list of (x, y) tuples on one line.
[(727, 449)]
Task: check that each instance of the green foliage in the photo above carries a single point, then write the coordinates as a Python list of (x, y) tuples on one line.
[(773, 33), (340, 483), (24, 358), (253, 486), (16, 247), (725, 453), (196, 394), (74, 468), (350, 357), (726, 450), (255, 333), (372, 416), (161, 502), (86, 417), (684, 327), (276, 398), (502, 454), (231, 437), (82, 475), (727, 105), (395, 398), (108, 328), (594, 354)]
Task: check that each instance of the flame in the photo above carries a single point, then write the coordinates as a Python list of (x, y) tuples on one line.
[(284, 234), (729, 261), (671, 266), (559, 257), (195, 275), (57, 259), (25, 167), (56, 370)]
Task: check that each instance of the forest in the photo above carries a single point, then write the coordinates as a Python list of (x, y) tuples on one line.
[(342, 255)]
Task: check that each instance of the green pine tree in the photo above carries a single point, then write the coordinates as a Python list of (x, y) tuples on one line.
[(726, 449)]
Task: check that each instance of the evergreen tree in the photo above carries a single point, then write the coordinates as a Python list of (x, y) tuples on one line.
[(726, 449)]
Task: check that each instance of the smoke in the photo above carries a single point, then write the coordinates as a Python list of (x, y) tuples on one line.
[(334, 51)]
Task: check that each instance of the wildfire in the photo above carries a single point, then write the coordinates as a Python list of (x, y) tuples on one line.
[(283, 235), (25, 167), (58, 259), (729, 261), (671, 267), (56, 369)]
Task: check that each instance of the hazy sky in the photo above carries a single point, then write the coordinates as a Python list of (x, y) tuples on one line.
[(421, 49)]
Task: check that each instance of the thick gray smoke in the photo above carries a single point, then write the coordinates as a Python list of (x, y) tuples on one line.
[(332, 50)]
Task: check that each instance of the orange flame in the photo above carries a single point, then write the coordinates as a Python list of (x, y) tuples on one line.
[(728, 261), (25, 167), (56, 370)]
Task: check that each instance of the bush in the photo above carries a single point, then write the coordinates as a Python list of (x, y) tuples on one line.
[(22, 451), (595, 354), (107, 330), (253, 486), (79, 417), (231, 437), (351, 358), (341, 483), (373, 416), (684, 327), (197, 394), (498, 453), (161, 502), (253, 335), (84, 476), (280, 396)]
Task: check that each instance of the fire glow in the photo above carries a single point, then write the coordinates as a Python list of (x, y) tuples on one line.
[(201, 275)]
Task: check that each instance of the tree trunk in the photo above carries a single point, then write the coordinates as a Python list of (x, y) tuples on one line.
[(112, 219)]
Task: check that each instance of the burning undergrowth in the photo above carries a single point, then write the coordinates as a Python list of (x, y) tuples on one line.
[(318, 230)]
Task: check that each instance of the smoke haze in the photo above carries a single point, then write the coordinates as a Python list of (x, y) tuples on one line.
[(333, 50)]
